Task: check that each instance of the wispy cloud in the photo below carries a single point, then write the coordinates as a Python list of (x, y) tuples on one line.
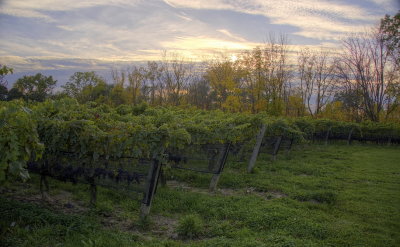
[(314, 19), (37, 9), (387, 5), (118, 31)]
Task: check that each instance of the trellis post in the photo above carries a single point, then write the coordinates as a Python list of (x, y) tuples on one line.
[(327, 135), (288, 148), (276, 147), (93, 192), (256, 149), (389, 141), (222, 160), (151, 184), (349, 136), (44, 185)]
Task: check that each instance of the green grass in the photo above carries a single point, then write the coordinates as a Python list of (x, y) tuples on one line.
[(317, 196)]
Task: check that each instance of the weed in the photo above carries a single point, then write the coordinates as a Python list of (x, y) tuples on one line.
[(190, 226)]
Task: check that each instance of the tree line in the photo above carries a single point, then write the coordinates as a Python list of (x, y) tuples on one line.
[(361, 81)]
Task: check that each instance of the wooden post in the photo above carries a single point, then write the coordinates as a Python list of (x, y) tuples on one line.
[(349, 136), (222, 161), (44, 191), (256, 149), (214, 182), (288, 148), (163, 177), (276, 147), (93, 194), (151, 184), (327, 136)]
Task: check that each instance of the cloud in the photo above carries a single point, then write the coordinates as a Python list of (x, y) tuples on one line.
[(388, 5), (26, 13), (37, 9), (199, 47), (230, 35), (322, 20), (118, 31), (115, 33)]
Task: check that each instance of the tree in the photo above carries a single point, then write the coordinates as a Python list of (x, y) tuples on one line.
[(199, 93), (176, 75), (118, 94), (99, 93), (316, 78), (224, 80), (254, 64), (4, 70), (14, 93), (295, 105), (278, 74), (365, 67), (137, 77), (390, 29), (36, 88), (3, 92), (351, 99), (83, 81), (154, 72), (334, 110), (266, 77)]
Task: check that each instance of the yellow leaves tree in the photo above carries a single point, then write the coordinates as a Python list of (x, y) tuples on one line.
[(224, 80), (295, 106), (232, 103), (335, 111)]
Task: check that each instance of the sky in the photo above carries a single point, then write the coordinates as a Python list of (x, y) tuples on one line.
[(60, 37)]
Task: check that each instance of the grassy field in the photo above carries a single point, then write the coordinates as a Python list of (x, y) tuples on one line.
[(332, 195)]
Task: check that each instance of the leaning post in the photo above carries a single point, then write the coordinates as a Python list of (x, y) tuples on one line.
[(151, 184), (217, 175), (276, 147), (349, 136), (256, 149), (327, 135)]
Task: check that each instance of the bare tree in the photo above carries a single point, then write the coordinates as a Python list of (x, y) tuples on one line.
[(154, 71), (365, 62), (316, 78), (118, 76), (278, 73), (266, 75), (199, 93), (254, 81), (176, 75)]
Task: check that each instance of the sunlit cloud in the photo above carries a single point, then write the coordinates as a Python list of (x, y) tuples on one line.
[(99, 33), (230, 35), (322, 20), (198, 43)]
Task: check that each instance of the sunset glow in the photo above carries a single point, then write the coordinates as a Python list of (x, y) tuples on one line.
[(60, 35)]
